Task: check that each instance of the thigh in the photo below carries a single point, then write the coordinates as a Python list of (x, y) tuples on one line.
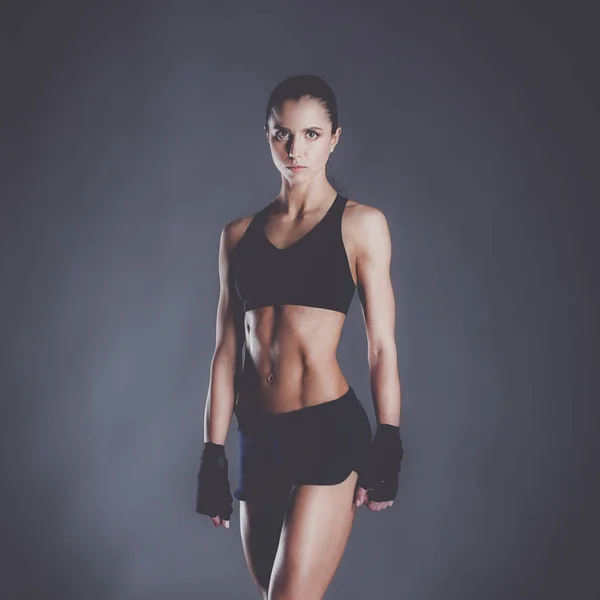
[(260, 527), (315, 532)]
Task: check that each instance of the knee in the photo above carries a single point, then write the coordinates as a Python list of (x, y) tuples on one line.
[(263, 589), (285, 592), (286, 595), (279, 595), (262, 581)]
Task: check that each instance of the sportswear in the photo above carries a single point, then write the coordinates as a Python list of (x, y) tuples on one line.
[(313, 271), (213, 495), (319, 444), (380, 474)]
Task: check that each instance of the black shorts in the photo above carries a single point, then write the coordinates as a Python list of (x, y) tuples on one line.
[(318, 445)]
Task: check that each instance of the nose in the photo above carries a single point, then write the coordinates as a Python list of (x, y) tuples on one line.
[(294, 149)]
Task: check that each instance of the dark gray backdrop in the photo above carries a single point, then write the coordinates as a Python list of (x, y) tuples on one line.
[(132, 132)]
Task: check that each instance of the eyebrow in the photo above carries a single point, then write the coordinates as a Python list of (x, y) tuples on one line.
[(282, 128)]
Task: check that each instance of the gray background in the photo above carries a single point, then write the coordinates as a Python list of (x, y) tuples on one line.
[(132, 132)]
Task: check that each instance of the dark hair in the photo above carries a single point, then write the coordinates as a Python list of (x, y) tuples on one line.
[(294, 88)]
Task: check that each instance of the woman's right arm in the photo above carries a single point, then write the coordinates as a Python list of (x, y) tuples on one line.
[(226, 360)]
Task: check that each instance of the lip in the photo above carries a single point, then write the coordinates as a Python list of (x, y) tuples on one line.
[(293, 167)]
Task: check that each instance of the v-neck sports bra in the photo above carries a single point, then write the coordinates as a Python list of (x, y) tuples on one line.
[(313, 271)]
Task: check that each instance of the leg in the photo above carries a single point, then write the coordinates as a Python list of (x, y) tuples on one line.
[(260, 525), (314, 536)]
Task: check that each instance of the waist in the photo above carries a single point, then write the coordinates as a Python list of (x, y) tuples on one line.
[(284, 388), (248, 415)]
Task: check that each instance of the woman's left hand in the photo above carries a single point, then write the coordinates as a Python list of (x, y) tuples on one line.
[(362, 497)]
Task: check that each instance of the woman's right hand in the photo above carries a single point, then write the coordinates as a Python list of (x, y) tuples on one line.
[(213, 495)]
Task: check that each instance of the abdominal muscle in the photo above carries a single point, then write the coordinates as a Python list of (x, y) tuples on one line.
[(291, 358)]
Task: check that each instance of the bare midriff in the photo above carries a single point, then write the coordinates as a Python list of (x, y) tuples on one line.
[(293, 350)]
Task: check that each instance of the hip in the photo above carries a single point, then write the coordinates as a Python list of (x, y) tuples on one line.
[(341, 421)]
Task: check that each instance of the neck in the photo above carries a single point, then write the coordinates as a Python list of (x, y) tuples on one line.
[(306, 197)]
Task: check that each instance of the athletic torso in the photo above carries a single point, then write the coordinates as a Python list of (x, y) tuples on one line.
[(295, 284)]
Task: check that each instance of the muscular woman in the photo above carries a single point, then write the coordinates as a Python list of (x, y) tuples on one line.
[(288, 275)]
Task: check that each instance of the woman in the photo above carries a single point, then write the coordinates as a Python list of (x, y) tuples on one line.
[(288, 275)]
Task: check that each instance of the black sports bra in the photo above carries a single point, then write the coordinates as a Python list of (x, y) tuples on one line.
[(313, 271)]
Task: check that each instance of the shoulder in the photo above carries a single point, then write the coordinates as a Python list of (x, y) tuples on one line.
[(234, 231), (366, 224)]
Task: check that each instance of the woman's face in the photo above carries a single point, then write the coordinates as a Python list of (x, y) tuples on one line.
[(300, 134)]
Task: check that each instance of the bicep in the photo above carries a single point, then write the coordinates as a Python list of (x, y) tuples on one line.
[(229, 325), (374, 280)]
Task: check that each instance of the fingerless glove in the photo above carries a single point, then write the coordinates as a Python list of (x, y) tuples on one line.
[(213, 495), (382, 467)]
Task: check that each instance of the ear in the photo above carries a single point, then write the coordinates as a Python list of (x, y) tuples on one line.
[(335, 139)]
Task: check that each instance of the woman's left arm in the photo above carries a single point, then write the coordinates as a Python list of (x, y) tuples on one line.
[(373, 264)]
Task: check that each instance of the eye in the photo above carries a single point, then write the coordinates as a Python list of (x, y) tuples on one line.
[(279, 134)]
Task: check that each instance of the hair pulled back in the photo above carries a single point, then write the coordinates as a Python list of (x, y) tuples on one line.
[(298, 86)]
